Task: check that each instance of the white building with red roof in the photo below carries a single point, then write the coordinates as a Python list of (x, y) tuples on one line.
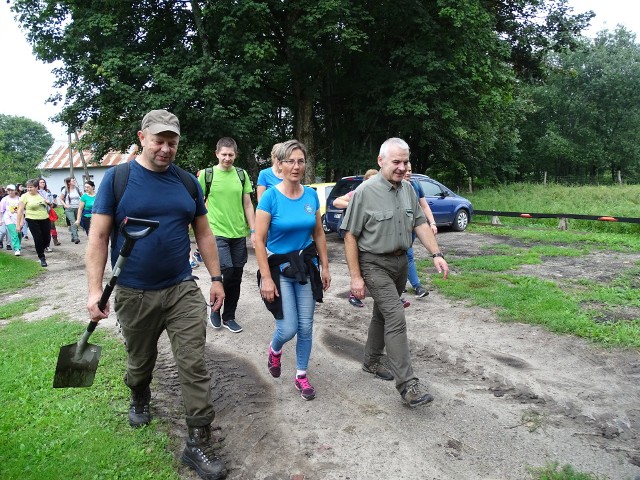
[(56, 165)]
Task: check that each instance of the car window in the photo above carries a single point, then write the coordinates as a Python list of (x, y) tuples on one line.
[(430, 189), (342, 188), (327, 192)]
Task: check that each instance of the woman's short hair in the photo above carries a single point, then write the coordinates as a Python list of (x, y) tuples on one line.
[(284, 152), (370, 173), (33, 182), (274, 151), (90, 182)]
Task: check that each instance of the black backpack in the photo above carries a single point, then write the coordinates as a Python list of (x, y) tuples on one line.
[(208, 180)]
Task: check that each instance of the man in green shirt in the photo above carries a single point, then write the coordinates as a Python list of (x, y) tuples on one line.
[(379, 222), (231, 218)]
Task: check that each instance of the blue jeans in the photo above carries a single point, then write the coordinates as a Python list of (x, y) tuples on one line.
[(414, 280), (298, 306)]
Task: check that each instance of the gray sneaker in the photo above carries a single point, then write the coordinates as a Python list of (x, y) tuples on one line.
[(232, 325), (216, 321), (379, 370), (421, 292), (414, 396)]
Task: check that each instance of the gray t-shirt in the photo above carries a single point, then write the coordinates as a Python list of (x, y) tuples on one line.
[(72, 199), (382, 216)]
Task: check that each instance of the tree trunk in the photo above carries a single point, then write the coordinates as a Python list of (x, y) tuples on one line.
[(202, 35), (70, 157), (84, 163), (304, 133)]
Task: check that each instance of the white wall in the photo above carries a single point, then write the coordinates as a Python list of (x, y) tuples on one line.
[(55, 178)]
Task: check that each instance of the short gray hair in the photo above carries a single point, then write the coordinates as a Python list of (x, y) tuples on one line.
[(284, 152), (396, 142)]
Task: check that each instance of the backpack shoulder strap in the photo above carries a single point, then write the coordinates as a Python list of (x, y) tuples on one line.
[(208, 179), (120, 180), (240, 173), (189, 184)]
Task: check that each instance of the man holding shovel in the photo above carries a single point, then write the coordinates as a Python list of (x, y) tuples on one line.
[(156, 290)]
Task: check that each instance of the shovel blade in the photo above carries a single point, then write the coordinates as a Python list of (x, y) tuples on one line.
[(77, 365)]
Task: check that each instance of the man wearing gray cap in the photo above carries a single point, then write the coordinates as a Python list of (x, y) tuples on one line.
[(156, 290)]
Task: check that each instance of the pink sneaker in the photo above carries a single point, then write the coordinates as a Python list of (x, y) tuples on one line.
[(273, 363), (304, 387)]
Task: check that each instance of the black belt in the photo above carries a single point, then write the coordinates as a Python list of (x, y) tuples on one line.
[(397, 253)]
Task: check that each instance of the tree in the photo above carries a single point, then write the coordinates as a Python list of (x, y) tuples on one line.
[(340, 75), (588, 111), (23, 144)]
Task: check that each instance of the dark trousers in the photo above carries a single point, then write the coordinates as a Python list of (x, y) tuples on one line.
[(181, 310), (41, 233), (231, 280), (233, 256)]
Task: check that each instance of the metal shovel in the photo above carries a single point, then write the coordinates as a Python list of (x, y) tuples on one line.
[(78, 362)]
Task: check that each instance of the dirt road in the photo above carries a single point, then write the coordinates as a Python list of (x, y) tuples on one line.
[(507, 396)]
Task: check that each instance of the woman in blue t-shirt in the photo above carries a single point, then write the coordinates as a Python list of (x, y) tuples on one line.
[(86, 206), (271, 176), (291, 250)]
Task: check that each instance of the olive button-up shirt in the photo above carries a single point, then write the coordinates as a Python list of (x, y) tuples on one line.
[(382, 216)]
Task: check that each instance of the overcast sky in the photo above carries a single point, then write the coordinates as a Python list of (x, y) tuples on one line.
[(25, 83)]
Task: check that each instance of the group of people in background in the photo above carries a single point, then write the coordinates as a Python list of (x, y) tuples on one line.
[(30, 208)]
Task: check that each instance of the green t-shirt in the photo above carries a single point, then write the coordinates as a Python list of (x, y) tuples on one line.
[(88, 204), (225, 209)]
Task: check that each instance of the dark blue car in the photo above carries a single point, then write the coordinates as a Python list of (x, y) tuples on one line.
[(449, 209)]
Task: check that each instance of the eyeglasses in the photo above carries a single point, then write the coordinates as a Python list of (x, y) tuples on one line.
[(293, 162)]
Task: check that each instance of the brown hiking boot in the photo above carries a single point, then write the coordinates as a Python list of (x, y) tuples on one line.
[(377, 369), (199, 454), (414, 396)]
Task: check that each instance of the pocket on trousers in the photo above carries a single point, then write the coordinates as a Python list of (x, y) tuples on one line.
[(128, 305)]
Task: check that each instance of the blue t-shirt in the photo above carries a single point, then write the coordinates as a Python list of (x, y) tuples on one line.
[(292, 221), (160, 259), (267, 178), (418, 189)]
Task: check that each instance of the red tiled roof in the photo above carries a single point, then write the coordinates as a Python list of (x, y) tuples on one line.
[(57, 158)]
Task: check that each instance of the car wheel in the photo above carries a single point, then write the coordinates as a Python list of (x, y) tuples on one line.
[(461, 221), (325, 227)]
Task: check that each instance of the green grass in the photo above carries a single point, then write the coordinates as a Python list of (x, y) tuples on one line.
[(583, 308), (49, 433), (16, 271), (615, 201), (15, 309), (553, 471)]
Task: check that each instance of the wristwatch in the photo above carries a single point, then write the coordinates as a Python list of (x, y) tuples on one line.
[(438, 254), (216, 278)]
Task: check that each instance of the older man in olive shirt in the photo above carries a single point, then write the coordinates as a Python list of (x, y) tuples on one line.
[(378, 223)]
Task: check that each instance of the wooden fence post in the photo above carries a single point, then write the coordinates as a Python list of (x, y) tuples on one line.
[(495, 220), (563, 224), (470, 186)]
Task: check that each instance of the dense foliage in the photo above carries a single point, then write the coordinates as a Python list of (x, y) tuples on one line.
[(23, 143), (340, 75), (587, 112)]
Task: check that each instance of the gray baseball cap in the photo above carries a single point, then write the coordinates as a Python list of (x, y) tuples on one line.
[(158, 121)]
